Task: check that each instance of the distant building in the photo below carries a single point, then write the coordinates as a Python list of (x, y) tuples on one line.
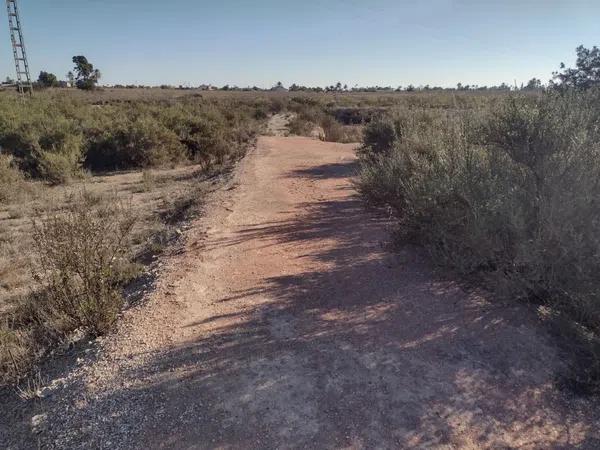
[(279, 88)]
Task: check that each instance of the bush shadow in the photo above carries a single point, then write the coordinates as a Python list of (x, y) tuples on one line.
[(365, 349)]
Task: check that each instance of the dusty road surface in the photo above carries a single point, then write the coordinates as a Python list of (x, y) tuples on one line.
[(287, 322)]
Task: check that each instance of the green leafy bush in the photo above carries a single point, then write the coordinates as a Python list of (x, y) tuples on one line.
[(379, 136), (44, 142)]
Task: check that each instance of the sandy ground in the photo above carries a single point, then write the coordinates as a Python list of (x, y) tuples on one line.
[(287, 322)]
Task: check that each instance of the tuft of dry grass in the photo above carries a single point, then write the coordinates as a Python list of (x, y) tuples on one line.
[(300, 126), (333, 131), (12, 180)]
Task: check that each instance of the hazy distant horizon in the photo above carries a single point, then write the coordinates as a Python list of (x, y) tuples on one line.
[(243, 43)]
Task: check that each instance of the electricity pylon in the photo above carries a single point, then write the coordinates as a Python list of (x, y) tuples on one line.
[(18, 45)]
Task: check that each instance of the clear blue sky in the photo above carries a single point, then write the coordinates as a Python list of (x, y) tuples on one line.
[(311, 42)]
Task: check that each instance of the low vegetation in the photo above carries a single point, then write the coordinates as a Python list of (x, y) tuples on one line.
[(80, 259), (56, 137), (60, 151), (507, 193), (73, 235), (498, 186)]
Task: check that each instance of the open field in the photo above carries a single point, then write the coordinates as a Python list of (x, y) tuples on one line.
[(287, 317), (290, 312)]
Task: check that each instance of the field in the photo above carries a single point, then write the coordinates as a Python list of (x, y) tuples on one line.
[(164, 153), (98, 188), (141, 155)]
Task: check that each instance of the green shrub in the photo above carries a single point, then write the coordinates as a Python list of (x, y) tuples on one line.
[(379, 136), (45, 143), (140, 142), (63, 161), (509, 195), (52, 136)]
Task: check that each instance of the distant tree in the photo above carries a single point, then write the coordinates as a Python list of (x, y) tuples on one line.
[(410, 88), (279, 84), (71, 78), (47, 79), (585, 75), (533, 84), (338, 86), (86, 77)]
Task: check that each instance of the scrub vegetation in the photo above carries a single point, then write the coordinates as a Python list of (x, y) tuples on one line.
[(499, 186), (506, 193), (91, 190)]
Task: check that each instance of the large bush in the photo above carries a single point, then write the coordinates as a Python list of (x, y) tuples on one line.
[(510, 195), (138, 142), (46, 143), (52, 137)]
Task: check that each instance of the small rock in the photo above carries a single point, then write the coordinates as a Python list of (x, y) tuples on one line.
[(38, 422)]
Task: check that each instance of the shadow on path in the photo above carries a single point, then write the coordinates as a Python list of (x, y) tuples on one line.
[(368, 350)]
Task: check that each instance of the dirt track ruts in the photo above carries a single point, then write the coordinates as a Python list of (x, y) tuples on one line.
[(287, 322)]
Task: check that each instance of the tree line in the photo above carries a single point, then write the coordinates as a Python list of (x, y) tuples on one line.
[(585, 74)]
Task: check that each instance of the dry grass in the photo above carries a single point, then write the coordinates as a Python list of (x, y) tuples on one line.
[(34, 258), (150, 195), (333, 131)]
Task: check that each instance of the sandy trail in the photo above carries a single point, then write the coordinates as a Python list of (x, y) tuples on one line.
[(288, 323)]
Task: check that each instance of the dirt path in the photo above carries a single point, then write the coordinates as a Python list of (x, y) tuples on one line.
[(287, 323)]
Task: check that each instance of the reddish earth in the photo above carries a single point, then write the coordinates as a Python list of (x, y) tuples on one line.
[(287, 322)]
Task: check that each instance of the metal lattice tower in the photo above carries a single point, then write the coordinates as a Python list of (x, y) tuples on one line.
[(18, 45)]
